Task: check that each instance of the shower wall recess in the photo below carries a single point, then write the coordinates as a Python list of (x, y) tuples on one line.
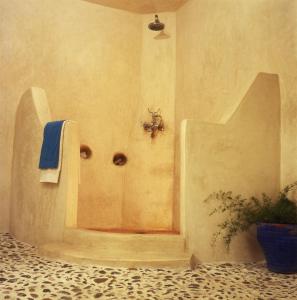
[(127, 184)]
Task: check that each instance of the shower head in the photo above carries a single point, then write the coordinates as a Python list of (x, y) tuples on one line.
[(156, 25)]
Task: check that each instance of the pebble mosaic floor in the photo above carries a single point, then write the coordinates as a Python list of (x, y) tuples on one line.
[(26, 275)]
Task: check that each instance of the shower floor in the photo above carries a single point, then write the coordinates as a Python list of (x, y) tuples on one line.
[(26, 275), (139, 231)]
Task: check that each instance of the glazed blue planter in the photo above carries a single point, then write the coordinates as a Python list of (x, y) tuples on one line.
[(279, 244)]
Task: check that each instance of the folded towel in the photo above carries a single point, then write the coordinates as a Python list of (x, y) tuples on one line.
[(51, 154)]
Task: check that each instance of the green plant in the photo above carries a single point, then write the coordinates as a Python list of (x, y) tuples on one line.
[(242, 213)]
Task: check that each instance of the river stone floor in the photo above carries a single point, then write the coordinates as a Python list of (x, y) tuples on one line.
[(26, 275)]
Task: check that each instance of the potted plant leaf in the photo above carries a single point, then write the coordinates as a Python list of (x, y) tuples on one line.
[(276, 222)]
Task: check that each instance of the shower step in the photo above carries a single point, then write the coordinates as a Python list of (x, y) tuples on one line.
[(160, 243), (114, 257)]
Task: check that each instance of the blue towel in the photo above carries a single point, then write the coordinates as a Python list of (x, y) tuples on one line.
[(49, 156)]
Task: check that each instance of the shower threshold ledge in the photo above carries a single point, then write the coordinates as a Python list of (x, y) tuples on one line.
[(119, 250)]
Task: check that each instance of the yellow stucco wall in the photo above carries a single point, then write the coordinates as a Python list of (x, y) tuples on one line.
[(103, 68), (139, 194), (38, 210), (57, 45), (222, 46), (241, 155)]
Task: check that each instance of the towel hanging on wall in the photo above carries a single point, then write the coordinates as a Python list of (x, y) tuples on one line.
[(52, 151)]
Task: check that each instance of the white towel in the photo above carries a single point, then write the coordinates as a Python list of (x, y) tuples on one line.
[(53, 175)]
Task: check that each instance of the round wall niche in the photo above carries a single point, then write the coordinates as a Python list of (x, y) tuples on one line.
[(119, 159), (85, 152)]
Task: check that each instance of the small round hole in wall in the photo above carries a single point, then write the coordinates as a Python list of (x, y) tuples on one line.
[(120, 159), (85, 152)]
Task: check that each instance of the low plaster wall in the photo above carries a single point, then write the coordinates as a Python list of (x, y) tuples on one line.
[(242, 155), (38, 210)]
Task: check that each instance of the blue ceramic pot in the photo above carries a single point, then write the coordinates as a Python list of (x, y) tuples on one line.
[(279, 244)]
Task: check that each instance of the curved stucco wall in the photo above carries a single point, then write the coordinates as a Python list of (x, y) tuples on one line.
[(139, 195), (241, 155), (103, 68), (38, 210), (221, 47)]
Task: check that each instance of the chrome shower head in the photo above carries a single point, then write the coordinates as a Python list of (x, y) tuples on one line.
[(156, 25)]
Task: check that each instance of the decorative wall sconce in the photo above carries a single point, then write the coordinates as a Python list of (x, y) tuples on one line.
[(155, 125)]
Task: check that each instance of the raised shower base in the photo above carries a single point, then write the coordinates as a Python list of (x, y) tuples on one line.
[(120, 250), (138, 231)]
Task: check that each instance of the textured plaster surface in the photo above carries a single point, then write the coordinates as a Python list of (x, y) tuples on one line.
[(38, 210), (103, 68), (241, 155), (138, 195), (222, 46), (73, 54)]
